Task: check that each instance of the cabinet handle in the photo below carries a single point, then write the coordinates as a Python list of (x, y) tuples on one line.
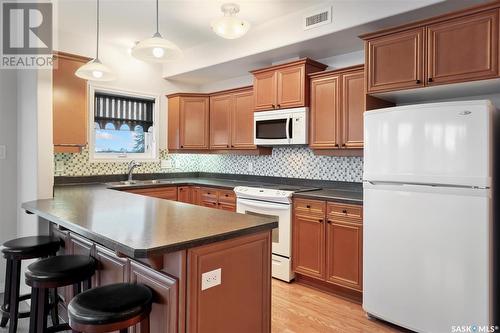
[(227, 146), (320, 220), (344, 145), (418, 81), (226, 195), (344, 211), (308, 206), (274, 106), (182, 146), (232, 146), (279, 106), (329, 221), (430, 79)]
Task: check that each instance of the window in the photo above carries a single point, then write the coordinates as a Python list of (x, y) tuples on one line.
[(123, 126)]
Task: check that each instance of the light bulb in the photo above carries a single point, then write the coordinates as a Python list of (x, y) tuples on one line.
[(158, 52), (97, 74)]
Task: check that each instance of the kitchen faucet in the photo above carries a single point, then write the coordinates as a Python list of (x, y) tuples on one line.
[(131, 166)]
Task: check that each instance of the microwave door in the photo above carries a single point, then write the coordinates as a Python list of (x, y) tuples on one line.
[(272, 131)]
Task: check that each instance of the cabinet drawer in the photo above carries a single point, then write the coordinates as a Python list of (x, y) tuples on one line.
[(208, 194), (309, 206), (227, 196), (169, 193), (345, 210)]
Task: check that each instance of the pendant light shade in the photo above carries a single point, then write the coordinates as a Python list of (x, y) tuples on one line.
[(94, 70), (156, 48), (229, 26)]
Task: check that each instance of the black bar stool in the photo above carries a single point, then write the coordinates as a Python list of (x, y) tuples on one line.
[(112, 307), (56, 272), (15, 251)]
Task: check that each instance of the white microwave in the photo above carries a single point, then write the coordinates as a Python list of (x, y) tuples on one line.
[(281, 127)]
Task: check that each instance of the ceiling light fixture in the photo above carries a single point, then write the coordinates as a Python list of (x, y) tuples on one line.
[(94, 70), (156, 48), (229, 26)]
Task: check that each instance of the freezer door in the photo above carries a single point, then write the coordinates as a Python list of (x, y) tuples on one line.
[(427, 256), (439, 143)]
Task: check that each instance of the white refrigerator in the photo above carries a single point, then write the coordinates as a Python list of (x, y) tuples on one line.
[(428, 215)]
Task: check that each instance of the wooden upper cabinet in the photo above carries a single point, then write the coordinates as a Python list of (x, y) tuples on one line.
[(324, 113), (285, 85), (395, 61), (463, 49), (69, 105), (188, 121), (220, 121), (265, 90), (291, 87), (353, 107), (194, 121), (242, 132)]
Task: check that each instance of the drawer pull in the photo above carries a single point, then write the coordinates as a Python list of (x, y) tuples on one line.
[(344, 211), (308, 206), (320, 220)]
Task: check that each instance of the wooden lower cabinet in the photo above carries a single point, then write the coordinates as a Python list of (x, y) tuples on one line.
[(218, 198), (185, 194), (328, 244), (168, 193), (110, 268), (163, 317)]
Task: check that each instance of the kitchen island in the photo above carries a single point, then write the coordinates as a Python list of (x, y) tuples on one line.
[(169, 246)]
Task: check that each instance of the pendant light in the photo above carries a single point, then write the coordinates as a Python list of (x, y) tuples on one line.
[(156, 48), (94, 70), (229, 26)]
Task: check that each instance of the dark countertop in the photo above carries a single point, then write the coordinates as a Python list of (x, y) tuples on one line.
[(331, 194), (140, 226)]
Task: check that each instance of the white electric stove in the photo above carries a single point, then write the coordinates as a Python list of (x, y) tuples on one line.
[(274, 201)]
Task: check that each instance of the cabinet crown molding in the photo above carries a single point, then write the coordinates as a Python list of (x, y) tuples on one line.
[(304, 61), (440, 18), (335, 71)]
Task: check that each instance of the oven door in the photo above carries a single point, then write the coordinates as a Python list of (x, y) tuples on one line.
[(281, 236), (272, 129)]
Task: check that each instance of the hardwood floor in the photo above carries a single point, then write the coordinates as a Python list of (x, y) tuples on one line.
[(300, 309)]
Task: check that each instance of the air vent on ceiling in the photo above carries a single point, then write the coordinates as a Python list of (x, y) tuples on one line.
[(318, 18)]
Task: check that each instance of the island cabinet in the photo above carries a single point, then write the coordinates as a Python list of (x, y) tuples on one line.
[(231, 119), (188, 121), (285, 85), (327, 246), (432, 52), (69, 104)]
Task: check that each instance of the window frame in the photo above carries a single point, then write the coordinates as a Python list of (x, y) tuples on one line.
[(151, 156)]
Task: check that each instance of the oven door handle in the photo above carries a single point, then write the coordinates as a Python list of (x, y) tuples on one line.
[(260, 204), (287, 129)]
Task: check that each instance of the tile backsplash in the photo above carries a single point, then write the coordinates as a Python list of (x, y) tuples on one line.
[(284, 162)]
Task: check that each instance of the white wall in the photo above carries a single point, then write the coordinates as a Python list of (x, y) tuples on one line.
[(8, 166)]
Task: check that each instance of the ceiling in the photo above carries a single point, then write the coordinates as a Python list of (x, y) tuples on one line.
[(184, 22)]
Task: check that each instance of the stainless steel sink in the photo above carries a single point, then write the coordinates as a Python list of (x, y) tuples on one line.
[(140, 182)]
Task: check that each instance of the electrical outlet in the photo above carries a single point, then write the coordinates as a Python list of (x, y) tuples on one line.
[(211, 279), (3, 154), (250, 167), (166, 164), (60, 166)]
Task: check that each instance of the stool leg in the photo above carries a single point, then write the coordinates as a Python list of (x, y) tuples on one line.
[(144, 325), (77, 288), (33, 309), (14, 295), (54, 311), (6, 295), (87, 284), (125, 330)]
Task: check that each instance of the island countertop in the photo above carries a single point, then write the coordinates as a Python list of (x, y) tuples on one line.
[(140, 226)]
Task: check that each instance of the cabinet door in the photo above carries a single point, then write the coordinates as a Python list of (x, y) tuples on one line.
[(463, 49), (184, 194), (196, 195), (194, 113), (291, 87), (110, 268), (242, 132), (69, 105), (395, 61), (163, 317), (344, 255), (353, 107), (264, 87), (309, 245), (325, 110), (220, 121)]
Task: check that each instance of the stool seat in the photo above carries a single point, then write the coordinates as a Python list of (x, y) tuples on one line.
[(60, 271), (110, 304), (31, 247)]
